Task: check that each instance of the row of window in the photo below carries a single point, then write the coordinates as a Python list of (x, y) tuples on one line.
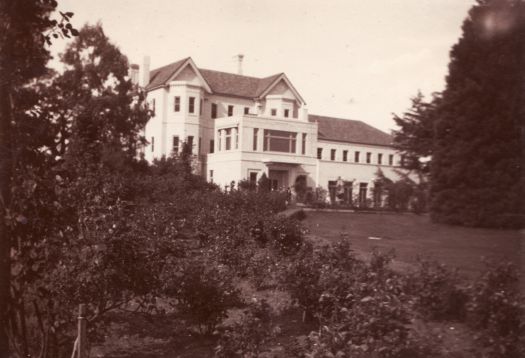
[(191, 107), (175, 144), (357, 156), (286, 113), (231, 139)]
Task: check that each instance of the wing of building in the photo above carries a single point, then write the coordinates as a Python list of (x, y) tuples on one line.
[(240, 127)]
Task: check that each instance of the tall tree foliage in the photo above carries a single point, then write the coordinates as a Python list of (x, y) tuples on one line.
[(414, 137), (25, 28), (477, 173)]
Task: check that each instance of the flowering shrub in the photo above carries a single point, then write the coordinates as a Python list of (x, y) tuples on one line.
[(204, 290), (437, 291), (247, 338), (496, 309)]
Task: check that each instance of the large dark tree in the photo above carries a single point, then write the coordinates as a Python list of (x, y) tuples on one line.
[(25, 28), (414, 137), (477, 164)]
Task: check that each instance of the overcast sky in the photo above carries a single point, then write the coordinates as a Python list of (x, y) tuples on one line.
[(348, 58)]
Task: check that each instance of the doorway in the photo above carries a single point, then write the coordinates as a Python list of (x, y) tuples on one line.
[(278, 179)]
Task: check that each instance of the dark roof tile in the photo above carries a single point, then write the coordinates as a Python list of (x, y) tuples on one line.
[(220, 82), (347, 130)]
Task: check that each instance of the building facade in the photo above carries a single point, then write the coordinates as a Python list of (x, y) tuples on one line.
[(240, 127)]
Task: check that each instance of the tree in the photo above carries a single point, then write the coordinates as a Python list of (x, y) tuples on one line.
[(25, 28), (414, 138), (477, 164)]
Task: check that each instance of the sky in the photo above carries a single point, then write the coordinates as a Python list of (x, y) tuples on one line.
[(351, 59)]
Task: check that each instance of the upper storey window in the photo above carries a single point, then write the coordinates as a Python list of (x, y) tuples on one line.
[(230, 110), (191, 105), (246, 110), (228, 139), (286, 113), (379, 158), (279, 141), (214, 110), (274, 112), (176, 104), (368, 157), (391, 159), (356, 157)]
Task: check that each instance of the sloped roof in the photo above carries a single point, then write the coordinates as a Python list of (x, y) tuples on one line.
[(161, 75), (236, 85), (347, 130), (220, 82)]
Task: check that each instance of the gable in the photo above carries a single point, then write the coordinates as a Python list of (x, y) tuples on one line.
[(188, 74), (281, 88)]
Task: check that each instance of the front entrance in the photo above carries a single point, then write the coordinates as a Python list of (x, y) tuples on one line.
[(278, 179)]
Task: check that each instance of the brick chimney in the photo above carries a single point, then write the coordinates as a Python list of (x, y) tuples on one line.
[(134, 73), (145, 71), (239, 57)]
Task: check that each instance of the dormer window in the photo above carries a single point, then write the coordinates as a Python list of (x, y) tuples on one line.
[(286, 113), (274, 112)]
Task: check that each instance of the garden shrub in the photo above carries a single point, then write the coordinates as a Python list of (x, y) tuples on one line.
[(248, 338), (204, 290), (286, 235), (497, 310), (437, 291)]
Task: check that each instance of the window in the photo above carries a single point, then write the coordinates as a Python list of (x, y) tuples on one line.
[(379, 158), (219, 136), (246, 110), (200, 107), (332, 154), (279, 141), (199, 147), (391, 159), (237, 138), (255, 135), (303, 144), (212, 146), (190, 143), (356, 157), (274, 112), (153, 106), (176, 104), (228, 139), (319, 153), (286, 113), (345, 156), (175, 144), (368, 157), (211, 176), (253, 178), (230, 110), (214, 110), (152, 144), (191, 106), (362, 194)]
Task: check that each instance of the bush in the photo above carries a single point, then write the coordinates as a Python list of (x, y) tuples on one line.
[(247, 338), (437, 292), (203, 290), (286, 235), (496, 309)]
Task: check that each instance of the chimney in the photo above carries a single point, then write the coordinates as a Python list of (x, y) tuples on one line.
[(239, 57), (134, 73), (145, 71)]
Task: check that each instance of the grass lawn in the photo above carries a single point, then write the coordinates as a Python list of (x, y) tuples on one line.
[(411, 235)]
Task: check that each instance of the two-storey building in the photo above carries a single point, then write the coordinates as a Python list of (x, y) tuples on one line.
[(240, 127)]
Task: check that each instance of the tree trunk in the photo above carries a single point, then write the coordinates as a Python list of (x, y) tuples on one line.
[(5, 198)]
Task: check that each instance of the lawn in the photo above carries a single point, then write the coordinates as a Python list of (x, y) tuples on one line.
[(412, 235)]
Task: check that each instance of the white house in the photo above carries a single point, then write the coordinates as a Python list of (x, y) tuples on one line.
[(240, 127)]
